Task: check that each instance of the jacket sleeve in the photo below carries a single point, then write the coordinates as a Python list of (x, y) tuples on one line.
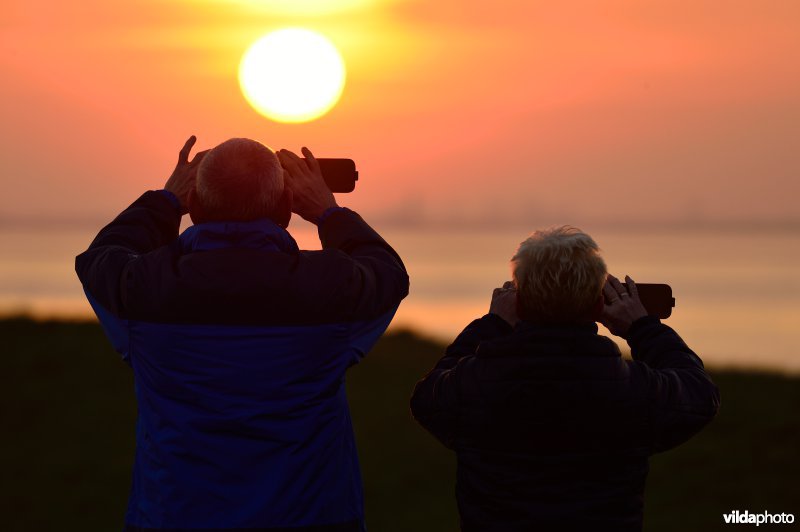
[(435, 401), (136, 270), (150, 222), (377, 279), (682, 397)]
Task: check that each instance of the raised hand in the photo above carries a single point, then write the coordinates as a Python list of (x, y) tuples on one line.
[(310, 194), (182, 180), (622, 305), (504, 303)]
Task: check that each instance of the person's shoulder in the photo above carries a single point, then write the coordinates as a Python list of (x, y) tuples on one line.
[(532, 341), (236, 286)]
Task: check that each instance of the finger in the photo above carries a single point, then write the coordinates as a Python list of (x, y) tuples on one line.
[(289, 154), (609, 292), (293, 163), (289, 164), (632, 288), (279, 154), (617, 285), (312, 162), (183, 155)]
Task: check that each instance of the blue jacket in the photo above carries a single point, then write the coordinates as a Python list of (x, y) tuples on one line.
[(552, 428), (239, 344)]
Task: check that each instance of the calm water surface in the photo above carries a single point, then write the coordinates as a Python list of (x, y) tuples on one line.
[(738, 294)]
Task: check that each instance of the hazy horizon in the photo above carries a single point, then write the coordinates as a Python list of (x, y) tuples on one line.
[(679, 112), (470, 222), (671, 122), (738, 298)]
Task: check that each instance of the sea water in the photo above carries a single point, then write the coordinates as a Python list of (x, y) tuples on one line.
[(737, 292)]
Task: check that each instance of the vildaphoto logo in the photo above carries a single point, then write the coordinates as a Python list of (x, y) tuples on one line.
[(764, 518)]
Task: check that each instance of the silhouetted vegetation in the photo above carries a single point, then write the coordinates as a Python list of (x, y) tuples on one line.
[(69, 413)]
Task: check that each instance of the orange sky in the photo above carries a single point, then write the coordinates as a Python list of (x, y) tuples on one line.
[(455, 111)]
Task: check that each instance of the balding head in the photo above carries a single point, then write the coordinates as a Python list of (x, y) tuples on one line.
[(239, 180)]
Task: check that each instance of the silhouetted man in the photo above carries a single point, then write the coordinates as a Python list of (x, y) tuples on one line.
[(552, 429), (239, 341)]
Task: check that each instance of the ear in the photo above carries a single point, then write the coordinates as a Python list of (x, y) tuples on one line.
[(195, 211), (283, 212), (597, 308)]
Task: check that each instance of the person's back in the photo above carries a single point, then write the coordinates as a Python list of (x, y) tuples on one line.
[(239, 343), (552, 428)]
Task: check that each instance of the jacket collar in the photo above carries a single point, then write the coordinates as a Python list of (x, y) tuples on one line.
[(588, 328), (261, 234), (531, 339)]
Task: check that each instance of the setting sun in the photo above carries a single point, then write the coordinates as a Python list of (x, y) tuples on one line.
[(292, 75), (304, 7)]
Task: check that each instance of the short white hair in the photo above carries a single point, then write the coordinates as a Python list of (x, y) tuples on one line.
[(559, 275), (239, 180)]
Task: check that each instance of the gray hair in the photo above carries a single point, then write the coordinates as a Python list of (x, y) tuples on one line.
[(239, 180), (559, 275)]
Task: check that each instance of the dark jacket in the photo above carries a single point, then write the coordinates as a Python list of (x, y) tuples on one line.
[(552, 428), (239, 344)]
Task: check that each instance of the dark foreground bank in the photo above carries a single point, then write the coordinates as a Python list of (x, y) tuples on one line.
[(68, 412)]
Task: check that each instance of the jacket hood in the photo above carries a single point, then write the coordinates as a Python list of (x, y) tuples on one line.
[(256, 234), (532, 340)]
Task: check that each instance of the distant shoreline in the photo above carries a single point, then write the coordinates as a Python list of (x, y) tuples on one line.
[(455, 224), (394, 333)]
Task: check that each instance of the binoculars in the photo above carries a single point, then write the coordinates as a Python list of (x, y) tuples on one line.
[(656, 298), (339, 174)]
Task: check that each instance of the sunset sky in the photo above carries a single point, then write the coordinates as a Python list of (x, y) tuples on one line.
[(456, 112)]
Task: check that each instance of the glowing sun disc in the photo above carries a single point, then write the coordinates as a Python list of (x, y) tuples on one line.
[(292, 75)]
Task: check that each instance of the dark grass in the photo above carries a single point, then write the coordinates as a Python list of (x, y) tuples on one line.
[(68, 437)]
